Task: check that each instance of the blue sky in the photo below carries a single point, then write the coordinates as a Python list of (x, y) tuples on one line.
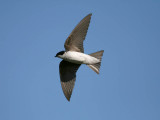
[(32, 32)]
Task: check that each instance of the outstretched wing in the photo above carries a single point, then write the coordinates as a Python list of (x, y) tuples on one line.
[(67, 72), (75, 40)]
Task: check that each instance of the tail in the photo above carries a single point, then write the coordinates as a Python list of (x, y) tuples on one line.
[(98, 55)]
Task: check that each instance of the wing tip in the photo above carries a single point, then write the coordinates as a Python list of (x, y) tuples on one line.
[(90, 14), (68, 99)]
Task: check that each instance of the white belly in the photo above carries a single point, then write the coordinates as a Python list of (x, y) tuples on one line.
[(79, 58)]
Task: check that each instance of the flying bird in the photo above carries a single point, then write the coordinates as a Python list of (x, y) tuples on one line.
[(74, 56)]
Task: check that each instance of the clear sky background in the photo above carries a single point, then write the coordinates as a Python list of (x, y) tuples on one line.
[(128, 86)]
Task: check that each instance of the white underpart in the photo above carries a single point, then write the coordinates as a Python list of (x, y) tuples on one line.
[(79, 58)]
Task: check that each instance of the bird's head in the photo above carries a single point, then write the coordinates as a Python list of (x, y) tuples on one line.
[(60, 54)]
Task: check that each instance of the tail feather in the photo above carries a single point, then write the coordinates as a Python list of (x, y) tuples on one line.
[(98, 55)]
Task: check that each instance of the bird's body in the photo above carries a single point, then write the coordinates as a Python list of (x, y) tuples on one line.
[(74, 56), (79, 58)]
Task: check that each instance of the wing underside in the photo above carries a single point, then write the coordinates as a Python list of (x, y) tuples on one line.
[(67, 72)]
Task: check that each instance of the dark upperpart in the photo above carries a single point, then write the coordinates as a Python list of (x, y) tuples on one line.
[(60, 53)]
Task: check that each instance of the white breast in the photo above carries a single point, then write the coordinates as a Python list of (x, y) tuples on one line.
[(79, 58)]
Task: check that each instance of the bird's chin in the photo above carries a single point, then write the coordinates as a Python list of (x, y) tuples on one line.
[(58, 57)]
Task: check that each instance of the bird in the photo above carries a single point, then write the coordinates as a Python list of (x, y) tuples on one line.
[(73, 57)]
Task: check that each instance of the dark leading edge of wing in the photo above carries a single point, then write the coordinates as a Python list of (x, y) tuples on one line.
[(67, 72), (75, 40)]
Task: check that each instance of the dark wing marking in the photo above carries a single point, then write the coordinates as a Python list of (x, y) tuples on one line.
[(67, 72), (75, 40)]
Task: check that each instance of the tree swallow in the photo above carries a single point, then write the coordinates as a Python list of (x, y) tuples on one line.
[(74, 56)]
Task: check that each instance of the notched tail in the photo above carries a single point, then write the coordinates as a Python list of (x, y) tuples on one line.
[(98, 55)]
